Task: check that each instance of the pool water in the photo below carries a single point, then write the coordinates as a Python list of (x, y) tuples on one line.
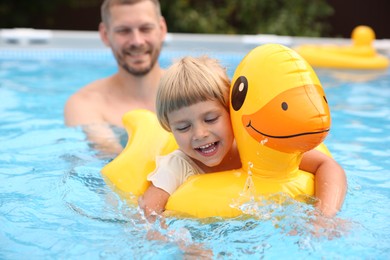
[(54, 203)]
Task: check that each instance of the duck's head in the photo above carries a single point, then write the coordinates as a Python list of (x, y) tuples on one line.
[(277, 102), (363, 36)]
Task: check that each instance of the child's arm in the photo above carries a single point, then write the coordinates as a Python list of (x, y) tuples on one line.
[(330, 181), (153, 201)]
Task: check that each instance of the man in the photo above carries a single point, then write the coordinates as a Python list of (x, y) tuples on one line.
[(135, 31)]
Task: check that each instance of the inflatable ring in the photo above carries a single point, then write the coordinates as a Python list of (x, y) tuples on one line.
[(278, 111), (360, 55), (147, 139)]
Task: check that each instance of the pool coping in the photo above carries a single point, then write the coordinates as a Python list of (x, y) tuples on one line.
[(28, 38)]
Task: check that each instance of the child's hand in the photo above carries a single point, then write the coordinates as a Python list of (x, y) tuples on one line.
[(181, 236), (334, 227)]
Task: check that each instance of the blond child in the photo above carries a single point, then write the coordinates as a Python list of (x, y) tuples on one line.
[(193, 103)]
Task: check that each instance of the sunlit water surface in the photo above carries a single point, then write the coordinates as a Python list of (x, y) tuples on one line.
[(54, 203)]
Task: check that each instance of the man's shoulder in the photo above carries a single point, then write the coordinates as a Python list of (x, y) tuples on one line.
[(92, 91), (84, 105)]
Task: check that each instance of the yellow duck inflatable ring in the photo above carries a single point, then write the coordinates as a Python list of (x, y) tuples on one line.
[(360, 55), (278, 111), (147, 139)]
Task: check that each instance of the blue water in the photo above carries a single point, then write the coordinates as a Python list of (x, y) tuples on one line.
[(54, 203)]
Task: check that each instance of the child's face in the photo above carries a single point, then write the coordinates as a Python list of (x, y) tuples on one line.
[(203, 131)]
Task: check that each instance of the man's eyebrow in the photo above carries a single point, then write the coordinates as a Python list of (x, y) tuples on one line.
[(128, 27)]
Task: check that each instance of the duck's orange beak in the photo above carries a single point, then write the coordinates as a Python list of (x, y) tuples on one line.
[(296, 120)]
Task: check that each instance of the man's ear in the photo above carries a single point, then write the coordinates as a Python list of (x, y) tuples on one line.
[(164, 27), (103, 34)]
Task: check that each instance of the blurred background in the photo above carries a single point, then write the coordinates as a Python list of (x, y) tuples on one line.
[(318, 18)]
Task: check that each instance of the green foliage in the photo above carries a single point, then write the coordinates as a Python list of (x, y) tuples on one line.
[(282, 17)]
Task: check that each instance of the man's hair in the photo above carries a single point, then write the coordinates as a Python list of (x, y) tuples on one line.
[(107, 4), (189, 81)]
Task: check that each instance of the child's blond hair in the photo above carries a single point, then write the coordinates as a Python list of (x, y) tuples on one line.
[(189, 81)]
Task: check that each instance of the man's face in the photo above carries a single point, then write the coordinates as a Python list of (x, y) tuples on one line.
[(135, 34)]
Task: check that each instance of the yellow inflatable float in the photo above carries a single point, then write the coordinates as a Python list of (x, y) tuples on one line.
[(278, 111), (360, 55), (147, 139)]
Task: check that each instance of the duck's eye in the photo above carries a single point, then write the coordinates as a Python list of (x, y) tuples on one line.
[(325, 99), (239, 91), (284, 106)]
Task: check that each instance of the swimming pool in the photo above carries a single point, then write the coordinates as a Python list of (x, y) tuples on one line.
[(54, 204)]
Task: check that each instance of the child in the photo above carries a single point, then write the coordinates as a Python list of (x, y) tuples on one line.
[(193, 103)]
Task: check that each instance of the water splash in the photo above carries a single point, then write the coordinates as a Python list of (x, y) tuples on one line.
[(249, 190), (247, 195), (262, 207), (264, 141)]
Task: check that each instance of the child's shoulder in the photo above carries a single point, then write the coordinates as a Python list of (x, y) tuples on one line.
[(178, 160), (175, 157)]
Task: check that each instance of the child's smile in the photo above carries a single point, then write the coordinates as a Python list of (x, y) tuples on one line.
[(208, 149)]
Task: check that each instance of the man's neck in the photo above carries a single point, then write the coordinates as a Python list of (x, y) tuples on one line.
[(140, 87)]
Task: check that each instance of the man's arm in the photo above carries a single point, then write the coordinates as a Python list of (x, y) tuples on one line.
[(81, 111)]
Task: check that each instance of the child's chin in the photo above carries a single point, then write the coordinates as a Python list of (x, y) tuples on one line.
[(212, 163)]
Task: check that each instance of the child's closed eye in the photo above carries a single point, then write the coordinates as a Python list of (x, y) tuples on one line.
[(182, 128), (211, 119)]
